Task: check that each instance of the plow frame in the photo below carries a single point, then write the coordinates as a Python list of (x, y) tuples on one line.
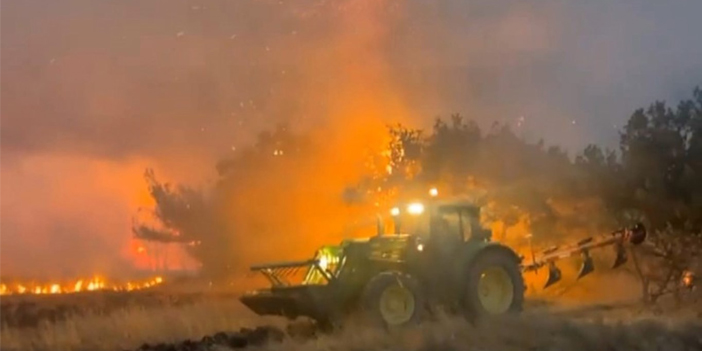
[(632, 236)]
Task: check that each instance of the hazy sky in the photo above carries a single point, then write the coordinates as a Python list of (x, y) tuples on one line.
[(95, 91)]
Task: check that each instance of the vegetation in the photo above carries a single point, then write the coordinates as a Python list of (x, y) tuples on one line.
[(127, 327), (655, 176), (167, 327)]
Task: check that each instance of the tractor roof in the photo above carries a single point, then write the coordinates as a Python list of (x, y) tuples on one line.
[(447, 202), (455, 201)]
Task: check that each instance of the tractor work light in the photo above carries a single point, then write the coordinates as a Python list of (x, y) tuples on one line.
[(323, 262), (415, 208)]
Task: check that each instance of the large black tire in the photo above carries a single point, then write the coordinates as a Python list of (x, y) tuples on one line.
[(389, 288), (494, 285)]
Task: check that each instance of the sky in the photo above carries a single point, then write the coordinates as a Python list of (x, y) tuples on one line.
[(94, 92)]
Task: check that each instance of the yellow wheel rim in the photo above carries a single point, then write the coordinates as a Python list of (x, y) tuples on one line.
[(396, 305), (495, 290)]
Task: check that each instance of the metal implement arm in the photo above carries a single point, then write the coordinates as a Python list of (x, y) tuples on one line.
[(632, 236), (276, 273), (288, 264)]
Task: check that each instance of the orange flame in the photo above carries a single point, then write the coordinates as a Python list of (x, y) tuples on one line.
[(81, 285)]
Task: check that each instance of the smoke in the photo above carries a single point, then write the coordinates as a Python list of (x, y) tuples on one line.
[(60, 213), (93, 92)]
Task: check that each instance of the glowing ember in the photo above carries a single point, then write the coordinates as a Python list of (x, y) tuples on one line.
[(94, 284), (688, 279)]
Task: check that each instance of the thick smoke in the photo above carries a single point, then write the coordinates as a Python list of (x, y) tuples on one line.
[(93, 92)]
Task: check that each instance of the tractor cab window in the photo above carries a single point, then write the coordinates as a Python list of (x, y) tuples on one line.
[(449, 224), (411, 224), (458, 223)]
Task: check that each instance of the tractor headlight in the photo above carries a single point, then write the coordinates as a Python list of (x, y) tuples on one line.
[(395, 211), (415, 208), (419, 244), (323, 262)]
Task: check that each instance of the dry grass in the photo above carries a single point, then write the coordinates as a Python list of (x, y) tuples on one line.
[(518, 334), (129, 328), (595, 330)]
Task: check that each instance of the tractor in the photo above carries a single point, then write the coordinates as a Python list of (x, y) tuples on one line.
[(437, 255)]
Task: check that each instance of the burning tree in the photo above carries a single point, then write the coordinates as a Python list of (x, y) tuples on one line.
[(205, 222), (185, 216), (516, 181), (285, 186)]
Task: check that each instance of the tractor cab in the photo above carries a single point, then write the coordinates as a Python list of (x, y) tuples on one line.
[(449, 221)]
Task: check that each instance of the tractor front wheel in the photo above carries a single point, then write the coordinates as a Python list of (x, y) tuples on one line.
[(392, 300), (494, 285)]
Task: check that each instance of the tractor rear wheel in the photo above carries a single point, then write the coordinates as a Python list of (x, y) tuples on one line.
[(392, 300), (494, 285)]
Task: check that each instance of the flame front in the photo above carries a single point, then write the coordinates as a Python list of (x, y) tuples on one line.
[(81, 285)]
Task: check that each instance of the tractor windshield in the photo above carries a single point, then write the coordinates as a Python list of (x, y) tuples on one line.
[(411, 224), (457, 222), (450, 221)]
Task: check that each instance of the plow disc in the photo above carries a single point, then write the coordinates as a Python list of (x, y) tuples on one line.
[(631, 236)]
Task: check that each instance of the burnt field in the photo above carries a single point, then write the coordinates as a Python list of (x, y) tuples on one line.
[(215, 320)]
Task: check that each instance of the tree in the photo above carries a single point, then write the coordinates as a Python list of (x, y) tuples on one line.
[(185, 216), (213, 225), (661, 182)]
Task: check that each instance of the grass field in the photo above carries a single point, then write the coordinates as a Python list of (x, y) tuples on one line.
[(127, 320), (129, 327)]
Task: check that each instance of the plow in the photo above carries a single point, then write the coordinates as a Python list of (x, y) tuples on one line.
[(435, 255), (618, 239)]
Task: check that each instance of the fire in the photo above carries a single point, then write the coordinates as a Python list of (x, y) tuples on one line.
[(81, 285), (688, 279)]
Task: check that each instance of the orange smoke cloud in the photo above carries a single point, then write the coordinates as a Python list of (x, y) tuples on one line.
[(305, 205)]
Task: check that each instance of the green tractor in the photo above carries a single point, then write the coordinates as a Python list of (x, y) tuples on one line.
[(438, 255)]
